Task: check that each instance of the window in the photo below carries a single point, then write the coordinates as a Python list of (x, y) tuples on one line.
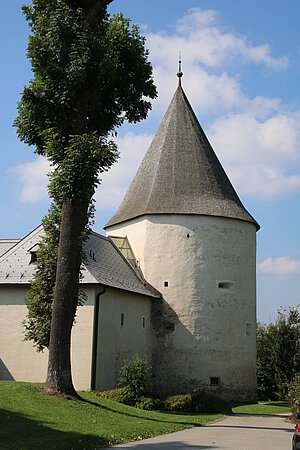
[(33, 257), (225, 286), (122, 319), (166, 283), (248, 329), (214, 381), (169, 326), (144, 322)]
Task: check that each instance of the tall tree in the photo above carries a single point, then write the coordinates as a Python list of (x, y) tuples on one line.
[(90, 74), (278, 354)]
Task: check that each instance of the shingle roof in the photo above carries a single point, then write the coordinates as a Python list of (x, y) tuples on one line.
[(104, 264), (6, 244), (180, 173)]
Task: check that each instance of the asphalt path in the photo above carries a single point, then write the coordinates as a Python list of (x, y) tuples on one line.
[(237, 432)]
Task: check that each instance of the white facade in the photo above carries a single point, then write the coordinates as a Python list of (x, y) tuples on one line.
[(204, 330), (20, 361)]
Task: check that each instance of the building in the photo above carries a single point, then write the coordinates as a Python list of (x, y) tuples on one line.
[(183, 228)]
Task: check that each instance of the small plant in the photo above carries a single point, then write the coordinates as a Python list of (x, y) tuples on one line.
[(117, 395), (293, 394), (180, 402), (150, 404), (134, 377)]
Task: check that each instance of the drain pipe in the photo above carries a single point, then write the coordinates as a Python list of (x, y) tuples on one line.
[(95, 338)]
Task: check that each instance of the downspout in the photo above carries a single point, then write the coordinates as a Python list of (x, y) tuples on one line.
[(95, 338)]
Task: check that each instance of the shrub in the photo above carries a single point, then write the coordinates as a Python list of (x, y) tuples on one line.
[(119, 395), (134, 378), (203, 401), (150, 404), (180, 402), (293, 395)]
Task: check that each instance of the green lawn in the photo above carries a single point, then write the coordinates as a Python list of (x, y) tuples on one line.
[(263, 408), (31, 420)]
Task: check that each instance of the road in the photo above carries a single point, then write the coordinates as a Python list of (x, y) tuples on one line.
[(238, 432)]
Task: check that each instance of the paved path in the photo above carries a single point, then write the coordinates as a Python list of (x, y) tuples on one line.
[(238, 432)]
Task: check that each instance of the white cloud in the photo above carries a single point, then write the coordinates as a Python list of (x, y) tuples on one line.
[(33, 179), (203, 42), (115, 182), (260, 157), (279, 266)]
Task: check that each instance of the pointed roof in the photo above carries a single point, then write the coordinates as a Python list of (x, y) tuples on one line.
[(180, 173)]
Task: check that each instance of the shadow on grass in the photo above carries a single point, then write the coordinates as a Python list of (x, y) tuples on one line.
[(20, 431), (144, 417)]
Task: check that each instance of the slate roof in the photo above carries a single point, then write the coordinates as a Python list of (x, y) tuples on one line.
[(6, 244), (104, 264), (180, 173)]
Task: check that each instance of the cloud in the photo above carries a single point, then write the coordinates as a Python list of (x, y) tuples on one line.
[(279, 266), (260, 157), (33, 179), (115, 182), (202, 41)]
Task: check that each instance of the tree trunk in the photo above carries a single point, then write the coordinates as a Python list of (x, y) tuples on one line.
[(74, 219)]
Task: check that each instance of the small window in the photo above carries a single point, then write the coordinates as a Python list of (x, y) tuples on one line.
[(33, 257), (214, 381), (225, 286), (166, 283), (248, 331), (170, 326), (122, 319), (144, 322)]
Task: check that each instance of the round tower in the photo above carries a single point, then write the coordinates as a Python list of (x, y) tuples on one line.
[(195, 243)]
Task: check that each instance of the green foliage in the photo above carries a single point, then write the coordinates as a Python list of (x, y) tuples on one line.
[(278, 355), (119, 395), (198, 401), (180, 402), (293, 394), (150, 404), (90, 75), (134, 377)]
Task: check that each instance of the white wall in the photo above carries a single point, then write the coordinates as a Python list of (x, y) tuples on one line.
[(210, 324), (20, 361), (117, 342)]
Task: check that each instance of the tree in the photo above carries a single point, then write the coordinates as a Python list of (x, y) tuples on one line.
[(278, 354), (90, 75)]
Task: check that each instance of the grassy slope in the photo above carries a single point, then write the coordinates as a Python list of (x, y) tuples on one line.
[(263, 408), (31, 420)]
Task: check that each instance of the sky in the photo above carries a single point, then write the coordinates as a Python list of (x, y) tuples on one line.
[(241, 65)]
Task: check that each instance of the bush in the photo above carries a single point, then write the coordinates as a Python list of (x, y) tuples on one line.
[(150, 404), (180, 402), (203, 401), (134, 378), (199, 401), (119, 395), (293, 395)]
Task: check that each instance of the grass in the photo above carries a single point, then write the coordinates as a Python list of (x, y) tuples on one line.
[(269, 408), (30, 419)]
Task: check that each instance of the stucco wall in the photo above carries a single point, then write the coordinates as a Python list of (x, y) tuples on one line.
[(193, 254), (117, 341), (19, 360)]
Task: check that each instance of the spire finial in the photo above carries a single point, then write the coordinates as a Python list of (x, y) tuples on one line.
[(180, 73)]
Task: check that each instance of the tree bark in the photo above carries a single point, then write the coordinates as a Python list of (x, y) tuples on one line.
[(74, 219)]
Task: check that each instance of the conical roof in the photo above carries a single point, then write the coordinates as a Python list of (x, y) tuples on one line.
[(180, 173)]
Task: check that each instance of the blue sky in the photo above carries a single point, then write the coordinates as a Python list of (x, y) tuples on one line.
[(241, 64)]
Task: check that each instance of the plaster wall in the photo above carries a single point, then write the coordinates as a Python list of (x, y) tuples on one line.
[(214, 328), (121, 334), (20, 361)]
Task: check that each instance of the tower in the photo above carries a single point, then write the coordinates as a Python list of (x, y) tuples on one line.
[(195, 243)]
